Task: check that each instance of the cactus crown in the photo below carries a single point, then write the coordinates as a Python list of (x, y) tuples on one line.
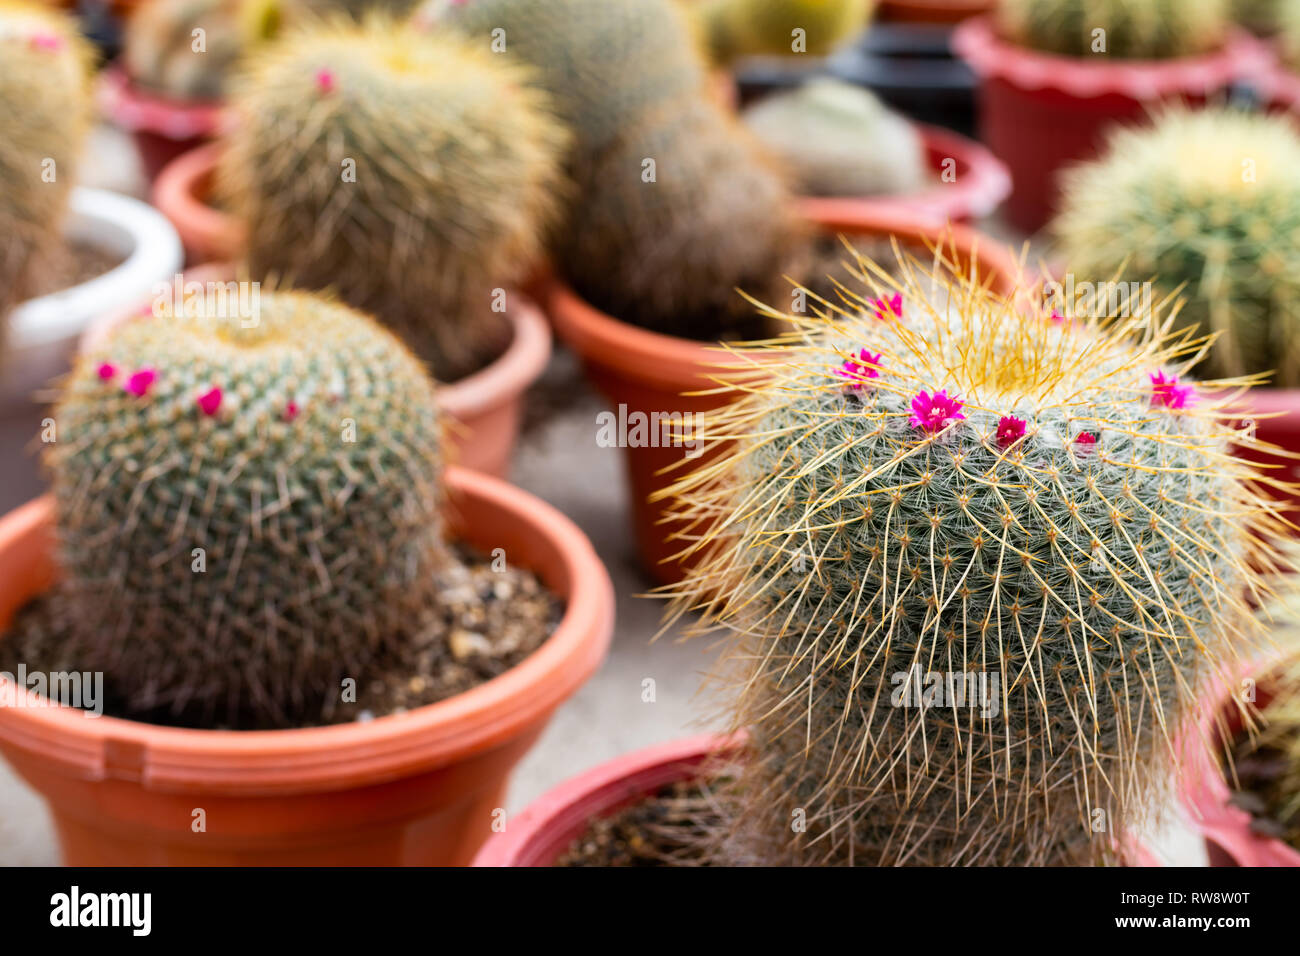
[(248, 503), (941, 484), (45, 102), (1131, 29), (737, 28), (413, 174), (1206, 200), (187, 48)]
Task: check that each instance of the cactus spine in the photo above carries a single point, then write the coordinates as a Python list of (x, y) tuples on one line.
[(45, 105), (950, 487), (1124, 29), (414, 175), (1207, 200), (738, 28), (248, 511), (676, 206)]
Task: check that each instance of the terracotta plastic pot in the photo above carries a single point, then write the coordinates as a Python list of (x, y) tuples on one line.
[(485, 408), (651, 373), (418, 788), (982, 183), (543, 831), (1205, 792), (1040, 112), (181, 194), (163, 128)]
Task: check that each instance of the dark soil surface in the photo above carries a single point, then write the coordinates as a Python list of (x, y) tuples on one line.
[(1274, 811)]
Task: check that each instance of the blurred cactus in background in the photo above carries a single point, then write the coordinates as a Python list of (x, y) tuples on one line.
[(738, 28), (970, 566), (44, 118), (1123, 29), (187, 49), (838, 139), (676, 207), (1258, 16), (1208, 200), (1289, 30), (248, 504), (414, 175)]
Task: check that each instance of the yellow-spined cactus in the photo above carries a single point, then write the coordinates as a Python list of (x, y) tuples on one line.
[(1123, 29), (737, 28)]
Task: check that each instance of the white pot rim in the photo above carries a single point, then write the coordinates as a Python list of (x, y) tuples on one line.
[(102, 218)]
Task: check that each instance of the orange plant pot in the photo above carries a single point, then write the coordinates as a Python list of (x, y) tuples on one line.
[(648, 372), (418, 788)]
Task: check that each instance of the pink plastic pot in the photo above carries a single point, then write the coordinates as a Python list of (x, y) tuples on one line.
[(982, 183), (1040, 112), (1277, 423), (1205, 792), (1279, 87), (163, 128)]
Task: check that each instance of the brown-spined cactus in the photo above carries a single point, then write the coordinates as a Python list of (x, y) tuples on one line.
[(186, 49), (838, 139), (414, 175), (738, 28), (676, 206), (247, 504), (1206, 200), (972, 563), (1122, 29), (44, 117)]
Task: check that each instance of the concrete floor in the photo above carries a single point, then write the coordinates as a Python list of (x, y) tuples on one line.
[(559, 461)]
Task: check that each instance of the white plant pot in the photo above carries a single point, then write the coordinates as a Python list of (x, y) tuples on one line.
[(43, 332)]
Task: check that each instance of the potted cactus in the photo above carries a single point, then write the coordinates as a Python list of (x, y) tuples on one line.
[(169, 86), (968, 563), (740, 28), (417, 176), (1208, 201), (1055, 74), (253, 538), (68, 253), (678, 210), (838, 140)]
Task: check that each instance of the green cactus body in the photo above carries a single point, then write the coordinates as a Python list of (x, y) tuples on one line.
[(1289, 33), (1259, 16), (946, 493), (1207, 200), (186, 49), (1132, 29), (838, 139), (737, 28), (45, 105), (414, 175), (676, 205), (247, 503)]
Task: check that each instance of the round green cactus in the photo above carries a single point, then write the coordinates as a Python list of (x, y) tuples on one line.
[(1207, 201), (1124, 29), (186, 49), (247, 503), (737, 28), (972, 564), (414, 175), (45, 106), (676, 205), (838, 139)]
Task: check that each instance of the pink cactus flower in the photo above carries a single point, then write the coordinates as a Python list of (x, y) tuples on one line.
[(891, 308), (291, 411), (107, 371), (46, 41), (140, 382), (933, 413), (1167, 392), (1056, 317), (865, 365), (1010, 430), (210, 401), (1086, 439), (325, 80)]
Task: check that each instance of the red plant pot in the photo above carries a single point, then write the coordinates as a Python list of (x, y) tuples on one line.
[(1279, 86), (163, 128), (1277, 422), (549, 825), (1040, 112), (1229, 840), (418, 788), (651, 373), (932, 11)]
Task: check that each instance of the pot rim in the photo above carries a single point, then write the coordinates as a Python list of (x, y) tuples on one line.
[(260, 762), (677, 364), (136, 109), (978, 42), (1279, 85), (176, 193)]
